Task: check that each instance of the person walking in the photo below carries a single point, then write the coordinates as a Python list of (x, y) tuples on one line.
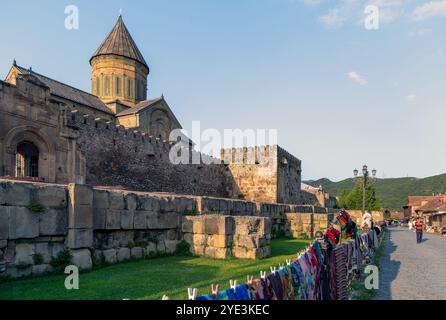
[(419, 229)]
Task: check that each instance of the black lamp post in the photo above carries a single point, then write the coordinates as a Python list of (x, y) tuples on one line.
[(365, 174)]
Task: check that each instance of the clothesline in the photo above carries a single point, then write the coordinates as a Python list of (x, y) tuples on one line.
[(319, 272)]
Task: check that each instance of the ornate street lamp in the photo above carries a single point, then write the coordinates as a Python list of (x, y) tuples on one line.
[(365, 174)]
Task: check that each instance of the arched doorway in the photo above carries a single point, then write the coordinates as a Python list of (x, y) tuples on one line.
[(27, 160)]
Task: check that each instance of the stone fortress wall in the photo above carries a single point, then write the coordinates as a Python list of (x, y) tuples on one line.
[(40, 220)]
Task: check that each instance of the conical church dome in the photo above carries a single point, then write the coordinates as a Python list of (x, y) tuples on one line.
[(119, 42)]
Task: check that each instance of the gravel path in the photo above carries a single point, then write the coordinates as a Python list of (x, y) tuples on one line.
[(411, 271)]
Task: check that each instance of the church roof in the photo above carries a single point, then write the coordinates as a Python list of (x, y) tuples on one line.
[(140, 106), (68, 92), (119, 42)]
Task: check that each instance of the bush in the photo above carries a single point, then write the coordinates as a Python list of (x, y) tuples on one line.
[(130, 244), (37, 258), (183, 249), (62, 259)]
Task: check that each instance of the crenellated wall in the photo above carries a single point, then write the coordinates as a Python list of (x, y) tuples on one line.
[(265, 174), (116, 156)]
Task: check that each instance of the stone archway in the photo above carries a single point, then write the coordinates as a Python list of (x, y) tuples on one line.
[(46, 151)]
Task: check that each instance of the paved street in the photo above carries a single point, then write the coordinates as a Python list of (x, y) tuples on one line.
[(410, 270)]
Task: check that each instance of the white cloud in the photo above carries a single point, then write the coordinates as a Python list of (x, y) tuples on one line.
[(356, 77), (429, 9), (411, 97)]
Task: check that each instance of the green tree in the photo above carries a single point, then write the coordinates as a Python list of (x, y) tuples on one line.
[(353, 199)]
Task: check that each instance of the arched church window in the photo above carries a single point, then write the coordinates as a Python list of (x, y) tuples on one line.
[(98, 87), (27, 160)]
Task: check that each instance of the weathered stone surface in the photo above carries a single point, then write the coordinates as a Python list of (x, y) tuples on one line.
[(22, 222), (110, 256), (218, 224), (41, 269), (131, 201), (80, 209), (100, 199), (113, 219), (123, 254), (136, 252), (53, 222), (80, 238), (99, 218), (4, 223), (160, 246), (171, 245), (140, 219), (15, 193), (24, 254), (44, 250), (219, 240), (52, 197), (116, 200), (151, 247), (157, 221), (82, 259), (3, 244), (217, 253), (126, 219), (187, 225)]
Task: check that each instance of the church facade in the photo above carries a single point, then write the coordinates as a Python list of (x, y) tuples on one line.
[(117, 136)]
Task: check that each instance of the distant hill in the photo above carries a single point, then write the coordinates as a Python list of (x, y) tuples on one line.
[(392, 192)]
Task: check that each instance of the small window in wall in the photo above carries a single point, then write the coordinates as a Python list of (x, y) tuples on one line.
[(128, 88), (118, 86), (107, 86), (27, 160)]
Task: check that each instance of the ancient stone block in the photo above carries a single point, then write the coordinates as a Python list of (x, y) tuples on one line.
[(4, 223), (160, 246), (140, 219), (41, 269), (80, 194), (24, 254), (131, 201), (123, 254), (53, 222), (109, 256), (189, 238), (15, 194), (82, 259), (99, 218), (200, 239), (219, 224), (126, 219), (151, 247), (219, 240), (136, 252), (44, 250), (116, 200), (52, 197), (171, 245), (80, 238), (168, 220), (187, 225), (100, 199), (113, 219), (22, 222)]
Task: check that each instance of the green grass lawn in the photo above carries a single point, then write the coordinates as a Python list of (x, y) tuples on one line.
[(150, 279)]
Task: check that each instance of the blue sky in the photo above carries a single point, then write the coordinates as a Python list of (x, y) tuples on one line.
[(340, 95)]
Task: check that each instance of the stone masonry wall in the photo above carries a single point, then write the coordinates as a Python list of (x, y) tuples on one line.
[(39, 220)]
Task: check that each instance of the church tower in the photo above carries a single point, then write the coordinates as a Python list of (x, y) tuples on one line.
[(119, 71)]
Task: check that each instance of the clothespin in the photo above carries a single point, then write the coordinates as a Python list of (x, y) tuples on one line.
[(214, 289), (288, 262), (281, 266), (192, 293), (273, 270), (233, 284), (165, 297), (263, 274), (249, 279)]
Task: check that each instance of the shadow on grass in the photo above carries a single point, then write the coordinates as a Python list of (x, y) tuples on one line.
[(151, 279)]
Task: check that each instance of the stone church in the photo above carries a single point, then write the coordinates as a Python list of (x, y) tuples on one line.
[(117, 136)]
